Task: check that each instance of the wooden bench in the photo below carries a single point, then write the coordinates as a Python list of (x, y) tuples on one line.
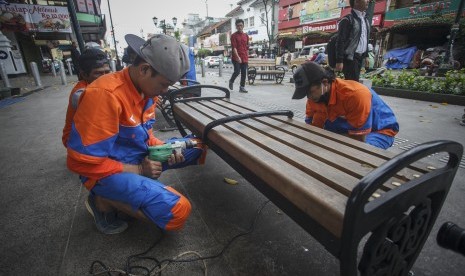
[(266, 69), (346, 194)]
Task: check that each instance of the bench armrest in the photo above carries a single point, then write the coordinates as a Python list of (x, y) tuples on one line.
[(401, 219), (228, 119), (176, 97)]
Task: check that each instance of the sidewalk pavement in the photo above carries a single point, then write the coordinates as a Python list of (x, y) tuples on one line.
[(27, 84), (46, 229)]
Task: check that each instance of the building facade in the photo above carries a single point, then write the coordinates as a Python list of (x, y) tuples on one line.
[(41, 30)]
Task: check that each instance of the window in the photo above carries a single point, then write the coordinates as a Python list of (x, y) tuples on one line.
[(252, 21), (246, 23), (262, 16)]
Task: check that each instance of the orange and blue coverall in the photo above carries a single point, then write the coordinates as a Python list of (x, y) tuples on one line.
[(112, 126), (74, 96), (354, 109)]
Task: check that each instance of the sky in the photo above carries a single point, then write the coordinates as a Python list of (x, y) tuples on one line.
[(135, 15)]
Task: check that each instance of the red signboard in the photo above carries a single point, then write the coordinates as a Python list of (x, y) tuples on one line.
[(328, 26)]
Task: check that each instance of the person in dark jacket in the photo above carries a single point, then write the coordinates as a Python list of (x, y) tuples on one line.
[(75, 54), (352, 39)]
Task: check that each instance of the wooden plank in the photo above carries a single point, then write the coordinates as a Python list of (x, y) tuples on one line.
[(344, 145), (304, 191), (338, 168), (269, 72), (259, 135)]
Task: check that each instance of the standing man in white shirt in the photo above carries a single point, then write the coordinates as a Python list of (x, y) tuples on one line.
[(352, 40)]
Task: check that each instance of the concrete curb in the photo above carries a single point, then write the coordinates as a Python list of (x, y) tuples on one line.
[(421, 96)]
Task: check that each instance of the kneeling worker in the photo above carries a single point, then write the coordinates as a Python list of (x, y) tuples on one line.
[(111, 132), (344, 106)]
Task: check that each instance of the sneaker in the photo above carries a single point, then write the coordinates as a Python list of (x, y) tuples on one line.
[(231, 85), (462, 123), (243, 90), (106, 222)]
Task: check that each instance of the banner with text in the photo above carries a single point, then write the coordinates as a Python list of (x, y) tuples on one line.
[(21, 17)]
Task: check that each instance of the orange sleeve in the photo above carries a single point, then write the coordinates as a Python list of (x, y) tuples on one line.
[(95, 128), (317, 113), (70, 113)]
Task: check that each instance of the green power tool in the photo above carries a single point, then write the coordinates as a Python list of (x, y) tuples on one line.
[(161, 153)]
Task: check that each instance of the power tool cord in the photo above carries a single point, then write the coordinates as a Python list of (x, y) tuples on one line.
[(161, 265)]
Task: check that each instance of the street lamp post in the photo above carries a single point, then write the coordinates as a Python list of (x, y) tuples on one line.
[(163, 24)]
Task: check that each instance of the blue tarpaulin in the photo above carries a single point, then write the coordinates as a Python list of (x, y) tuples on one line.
[(399, 58)]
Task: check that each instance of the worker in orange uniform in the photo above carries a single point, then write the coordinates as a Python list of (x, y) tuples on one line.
[(111, 132), (344, 106), (93, 63)]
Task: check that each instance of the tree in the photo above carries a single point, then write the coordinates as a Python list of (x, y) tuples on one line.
[(269, 22)]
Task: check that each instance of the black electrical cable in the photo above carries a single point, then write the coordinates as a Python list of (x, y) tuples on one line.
[(251, 228), (139, 256)]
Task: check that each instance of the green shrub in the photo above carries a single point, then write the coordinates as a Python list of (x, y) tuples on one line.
[(452, 83)]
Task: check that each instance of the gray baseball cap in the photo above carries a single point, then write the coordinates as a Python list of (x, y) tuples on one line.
[(307, 74), (166, 55)]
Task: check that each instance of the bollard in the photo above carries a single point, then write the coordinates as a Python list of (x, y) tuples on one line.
[(35, 74), (202, 66), (70, 68), (4, 75), (113, 65), (220, 67), (62, 73), (54, 71)]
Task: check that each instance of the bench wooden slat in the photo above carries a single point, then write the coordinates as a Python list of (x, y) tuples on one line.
[(336, 179), (258, 72), (327, 205), (359, 163), (343, 146), (338, 169)]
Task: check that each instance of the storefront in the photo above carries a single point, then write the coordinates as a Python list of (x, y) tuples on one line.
[(424, 26), (36, 31)]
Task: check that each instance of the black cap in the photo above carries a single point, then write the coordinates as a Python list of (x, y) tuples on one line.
[(92, 58), (307, 74)]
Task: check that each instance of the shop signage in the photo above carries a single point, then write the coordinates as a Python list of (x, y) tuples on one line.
[(320, 16), (328, 27), (425, 10), (21, 17)]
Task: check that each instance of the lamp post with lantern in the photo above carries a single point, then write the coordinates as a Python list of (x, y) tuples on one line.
[(163, 25)]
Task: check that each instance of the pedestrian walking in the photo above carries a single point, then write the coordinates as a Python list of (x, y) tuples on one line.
[(75, 58), (352, 40), (240, 55)]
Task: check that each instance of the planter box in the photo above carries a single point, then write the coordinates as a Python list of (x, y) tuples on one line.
[(421, 96)]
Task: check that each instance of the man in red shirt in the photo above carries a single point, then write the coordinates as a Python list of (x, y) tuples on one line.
[(240, 55)]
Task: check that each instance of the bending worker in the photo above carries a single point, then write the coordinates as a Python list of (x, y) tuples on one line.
[(111, 132), (344, 106)]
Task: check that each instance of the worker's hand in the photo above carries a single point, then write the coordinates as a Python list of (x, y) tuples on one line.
[(175, 158), (239, 60), (150, 168), (339, 67)]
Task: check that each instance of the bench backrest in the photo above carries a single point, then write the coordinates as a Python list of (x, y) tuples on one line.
[(259, 62)]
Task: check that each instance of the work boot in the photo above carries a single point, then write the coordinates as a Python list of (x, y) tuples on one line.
[(243, 90), (231, 86), (106, 222)]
